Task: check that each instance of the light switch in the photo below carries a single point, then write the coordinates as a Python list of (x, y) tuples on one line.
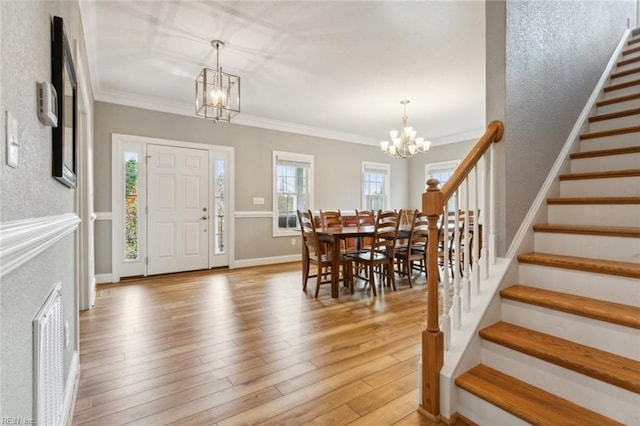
[(258, 201), (13, 146)]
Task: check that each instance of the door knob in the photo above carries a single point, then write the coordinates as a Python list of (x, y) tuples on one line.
[(204, 218)]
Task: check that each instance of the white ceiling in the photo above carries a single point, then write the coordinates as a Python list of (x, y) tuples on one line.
[(330, 68)]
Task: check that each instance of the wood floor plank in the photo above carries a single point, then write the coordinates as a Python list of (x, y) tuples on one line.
[(248, 346)]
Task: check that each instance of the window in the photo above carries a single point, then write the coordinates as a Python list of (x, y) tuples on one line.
[(131, 222), (442, 172), (375, 186), (293, 185)]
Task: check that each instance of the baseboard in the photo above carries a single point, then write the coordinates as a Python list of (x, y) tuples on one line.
[(71, 391), (260, 261), (103, 278)]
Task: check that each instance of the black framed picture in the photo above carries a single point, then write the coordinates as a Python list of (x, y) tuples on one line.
[(63, 75)]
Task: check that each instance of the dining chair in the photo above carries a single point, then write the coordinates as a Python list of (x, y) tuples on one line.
[(415, 249), (364, 218), (321, 257), (380, 256), (305, 222), (331, 218)]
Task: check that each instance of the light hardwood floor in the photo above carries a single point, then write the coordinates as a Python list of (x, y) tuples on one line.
[(248, 346)]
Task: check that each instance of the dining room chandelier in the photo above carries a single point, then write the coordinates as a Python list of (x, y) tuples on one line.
[(404, 143), (217, 92)]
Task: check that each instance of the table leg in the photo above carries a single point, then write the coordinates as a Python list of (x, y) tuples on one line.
[(335, 266)]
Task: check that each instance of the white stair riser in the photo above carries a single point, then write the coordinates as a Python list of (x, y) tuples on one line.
[(603, 187), (620, 92), (624, 57), (601, 335), (484, 413), (625, 78), (623, 249), (603, 398), (611, 288), (617, 107), (625, 140), (606, 163), (615, 123), (626, 67), (595, 214)]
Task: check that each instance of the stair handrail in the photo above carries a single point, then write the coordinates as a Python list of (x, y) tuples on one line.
[(433, 206)]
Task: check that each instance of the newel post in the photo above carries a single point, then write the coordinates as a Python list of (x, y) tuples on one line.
[(432, 336)]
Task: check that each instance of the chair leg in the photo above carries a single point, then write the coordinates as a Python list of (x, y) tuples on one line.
[(372, 280), (318, 280), (305, 273), (392, 277)]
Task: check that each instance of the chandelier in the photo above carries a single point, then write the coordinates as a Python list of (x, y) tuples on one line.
[(404, 144), (217, 93)]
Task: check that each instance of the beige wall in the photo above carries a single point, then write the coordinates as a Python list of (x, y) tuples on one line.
[(337, 171), (29, 191)]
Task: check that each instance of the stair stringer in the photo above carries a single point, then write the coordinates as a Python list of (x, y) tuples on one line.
[(460, 359), (466, 345)]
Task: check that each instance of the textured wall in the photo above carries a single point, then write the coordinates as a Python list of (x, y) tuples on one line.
[(337, 171), (555, 54), (30, 191)]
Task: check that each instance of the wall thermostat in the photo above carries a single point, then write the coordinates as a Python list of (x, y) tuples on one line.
[(47, 104)]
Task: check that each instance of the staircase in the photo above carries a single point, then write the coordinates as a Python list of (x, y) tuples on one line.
[(567, 348)]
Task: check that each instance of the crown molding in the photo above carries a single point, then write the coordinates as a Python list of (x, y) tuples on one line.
[(242, 119)]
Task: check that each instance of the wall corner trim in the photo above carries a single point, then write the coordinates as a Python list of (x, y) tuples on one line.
[(22, 240)]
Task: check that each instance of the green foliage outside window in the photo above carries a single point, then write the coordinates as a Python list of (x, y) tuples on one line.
[(131, 209)]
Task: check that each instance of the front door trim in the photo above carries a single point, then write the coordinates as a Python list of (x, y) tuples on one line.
[(118, 141)]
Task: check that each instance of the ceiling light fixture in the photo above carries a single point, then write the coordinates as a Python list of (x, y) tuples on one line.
[(404, 144), (217, 93)]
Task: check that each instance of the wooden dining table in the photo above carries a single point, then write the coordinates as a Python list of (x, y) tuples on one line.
[(335, 234)]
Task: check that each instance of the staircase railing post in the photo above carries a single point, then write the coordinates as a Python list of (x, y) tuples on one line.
[(432, 336)]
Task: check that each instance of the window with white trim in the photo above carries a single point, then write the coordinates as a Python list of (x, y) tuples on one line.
[(442, 172), (375, 186), (292, 191)]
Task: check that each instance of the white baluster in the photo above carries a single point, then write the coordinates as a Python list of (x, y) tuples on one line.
[(492, 202), (475, 252), (484, 254), (456, 305), (466, 269), (446, 296)]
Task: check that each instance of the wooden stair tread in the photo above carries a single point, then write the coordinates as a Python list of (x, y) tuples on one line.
[(608, 267), (618, 86), (605, 152), (614, 115), (593, 200), (600, 175), (633, 40), (604, 366), (605, 231), (628, 61), (612, 132), (615, 313), (631, 51), (625, 98), (525, 401), (619, 74)]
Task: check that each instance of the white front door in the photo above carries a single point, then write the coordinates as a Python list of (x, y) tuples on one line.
[(178, 203)]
